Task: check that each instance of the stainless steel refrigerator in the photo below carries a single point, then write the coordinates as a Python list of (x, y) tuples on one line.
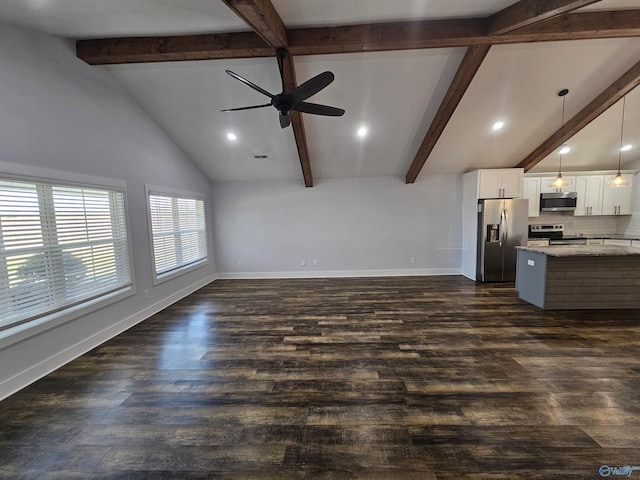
[(502, 225)]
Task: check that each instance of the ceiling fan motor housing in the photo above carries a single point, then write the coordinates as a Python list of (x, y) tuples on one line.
[(283, 103)]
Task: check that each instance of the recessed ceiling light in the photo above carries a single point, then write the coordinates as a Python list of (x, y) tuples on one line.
[(626, 148), (564, 150), (498, 125), (362, 132), (232, 136)]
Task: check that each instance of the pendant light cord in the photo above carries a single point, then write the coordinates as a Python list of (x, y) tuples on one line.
[(624, 99), (562, 133)]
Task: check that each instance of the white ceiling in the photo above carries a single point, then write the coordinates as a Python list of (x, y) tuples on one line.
[(396, 94), (340, 12)]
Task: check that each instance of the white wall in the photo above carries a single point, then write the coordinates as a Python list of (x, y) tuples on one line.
[(59, 113), (353, 227)]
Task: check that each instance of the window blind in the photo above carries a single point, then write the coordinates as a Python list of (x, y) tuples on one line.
[(178, 231), (59, 246)]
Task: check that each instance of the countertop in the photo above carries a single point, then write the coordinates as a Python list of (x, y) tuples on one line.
[(583, 250), (608, 236)]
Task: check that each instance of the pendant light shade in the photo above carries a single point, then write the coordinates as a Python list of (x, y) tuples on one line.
[(619, 180), (560, 183)]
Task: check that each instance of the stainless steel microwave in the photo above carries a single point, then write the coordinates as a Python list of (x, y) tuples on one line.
[(558, 202)]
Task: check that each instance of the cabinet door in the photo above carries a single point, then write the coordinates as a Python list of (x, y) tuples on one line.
[(532, 193), (590, 190), (490, 184), (512, 182), (618, 242), (595, 192), (582, 189), (545, 184), (617, 200), (635, 243)]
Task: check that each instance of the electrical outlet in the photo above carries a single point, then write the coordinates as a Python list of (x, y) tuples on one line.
[(315, 263), (412, 260), (239, 263), (303, 263), (146, 294)]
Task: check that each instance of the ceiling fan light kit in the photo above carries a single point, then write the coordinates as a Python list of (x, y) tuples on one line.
[(286, 102)]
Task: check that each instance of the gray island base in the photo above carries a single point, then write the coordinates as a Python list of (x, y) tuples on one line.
[(579, 277)]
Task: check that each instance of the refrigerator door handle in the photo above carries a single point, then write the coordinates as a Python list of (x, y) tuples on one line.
[(503, 231)]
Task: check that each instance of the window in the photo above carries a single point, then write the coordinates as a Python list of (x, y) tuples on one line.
[(179, 239), (60, 246)]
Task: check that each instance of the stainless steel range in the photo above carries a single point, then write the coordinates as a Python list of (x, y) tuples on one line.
[(555, 234)]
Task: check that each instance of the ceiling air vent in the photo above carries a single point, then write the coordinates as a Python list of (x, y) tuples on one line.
[(259, 156)]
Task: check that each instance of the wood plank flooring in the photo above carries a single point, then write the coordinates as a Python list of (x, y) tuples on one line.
[(371, 378)]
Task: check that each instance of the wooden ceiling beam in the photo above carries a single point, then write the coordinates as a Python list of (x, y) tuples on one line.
[(528, 12), (523, 13), (614, 92), (263, 18), (298, 124), (359, 38), (111, 51), (461, 81), (460, 33)]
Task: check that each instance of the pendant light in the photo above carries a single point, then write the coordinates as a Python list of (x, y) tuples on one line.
[(619, 180), (560, 182)]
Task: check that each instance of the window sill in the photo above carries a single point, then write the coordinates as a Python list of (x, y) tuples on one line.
[(170, 275), (21, 332)]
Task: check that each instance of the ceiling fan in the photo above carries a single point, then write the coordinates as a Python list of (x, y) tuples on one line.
[(285, 102)]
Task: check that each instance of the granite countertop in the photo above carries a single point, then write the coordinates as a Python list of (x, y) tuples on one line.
[(613, 236), (595, 237), (583, 250)]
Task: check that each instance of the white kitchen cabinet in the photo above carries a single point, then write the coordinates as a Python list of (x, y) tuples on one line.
[(532, 193), (538, 242), (635, 243), (590, 190), (545, 184), (618, 242), (500, 183), (617, 200)]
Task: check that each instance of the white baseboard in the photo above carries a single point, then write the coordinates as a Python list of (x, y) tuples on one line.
[(418, 272), (22, 379)]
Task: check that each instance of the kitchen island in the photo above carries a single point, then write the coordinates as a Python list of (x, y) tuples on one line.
[(579, 276)]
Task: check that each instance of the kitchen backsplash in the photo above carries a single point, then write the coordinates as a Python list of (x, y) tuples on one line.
[(633, 228), (606, 224)]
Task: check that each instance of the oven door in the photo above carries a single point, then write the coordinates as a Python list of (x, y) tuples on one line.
[(568, 241)]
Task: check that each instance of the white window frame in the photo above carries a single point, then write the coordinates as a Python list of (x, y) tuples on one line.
[(27, 173), (170, 192)]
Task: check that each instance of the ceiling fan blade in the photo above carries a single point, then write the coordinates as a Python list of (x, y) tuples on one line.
[(249, 84), (245, 108), (316, 109), (285, 120), (311, 86)]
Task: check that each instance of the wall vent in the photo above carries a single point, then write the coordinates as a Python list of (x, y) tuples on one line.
[(264, 155)]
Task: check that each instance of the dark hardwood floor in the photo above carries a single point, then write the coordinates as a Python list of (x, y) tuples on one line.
[(372, 378)]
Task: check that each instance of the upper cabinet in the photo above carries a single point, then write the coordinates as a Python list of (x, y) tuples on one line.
[(590, 193), (500, 183), (596, 195), (617, 200)]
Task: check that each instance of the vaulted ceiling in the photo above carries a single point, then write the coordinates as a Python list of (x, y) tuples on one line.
[(428, 78)]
